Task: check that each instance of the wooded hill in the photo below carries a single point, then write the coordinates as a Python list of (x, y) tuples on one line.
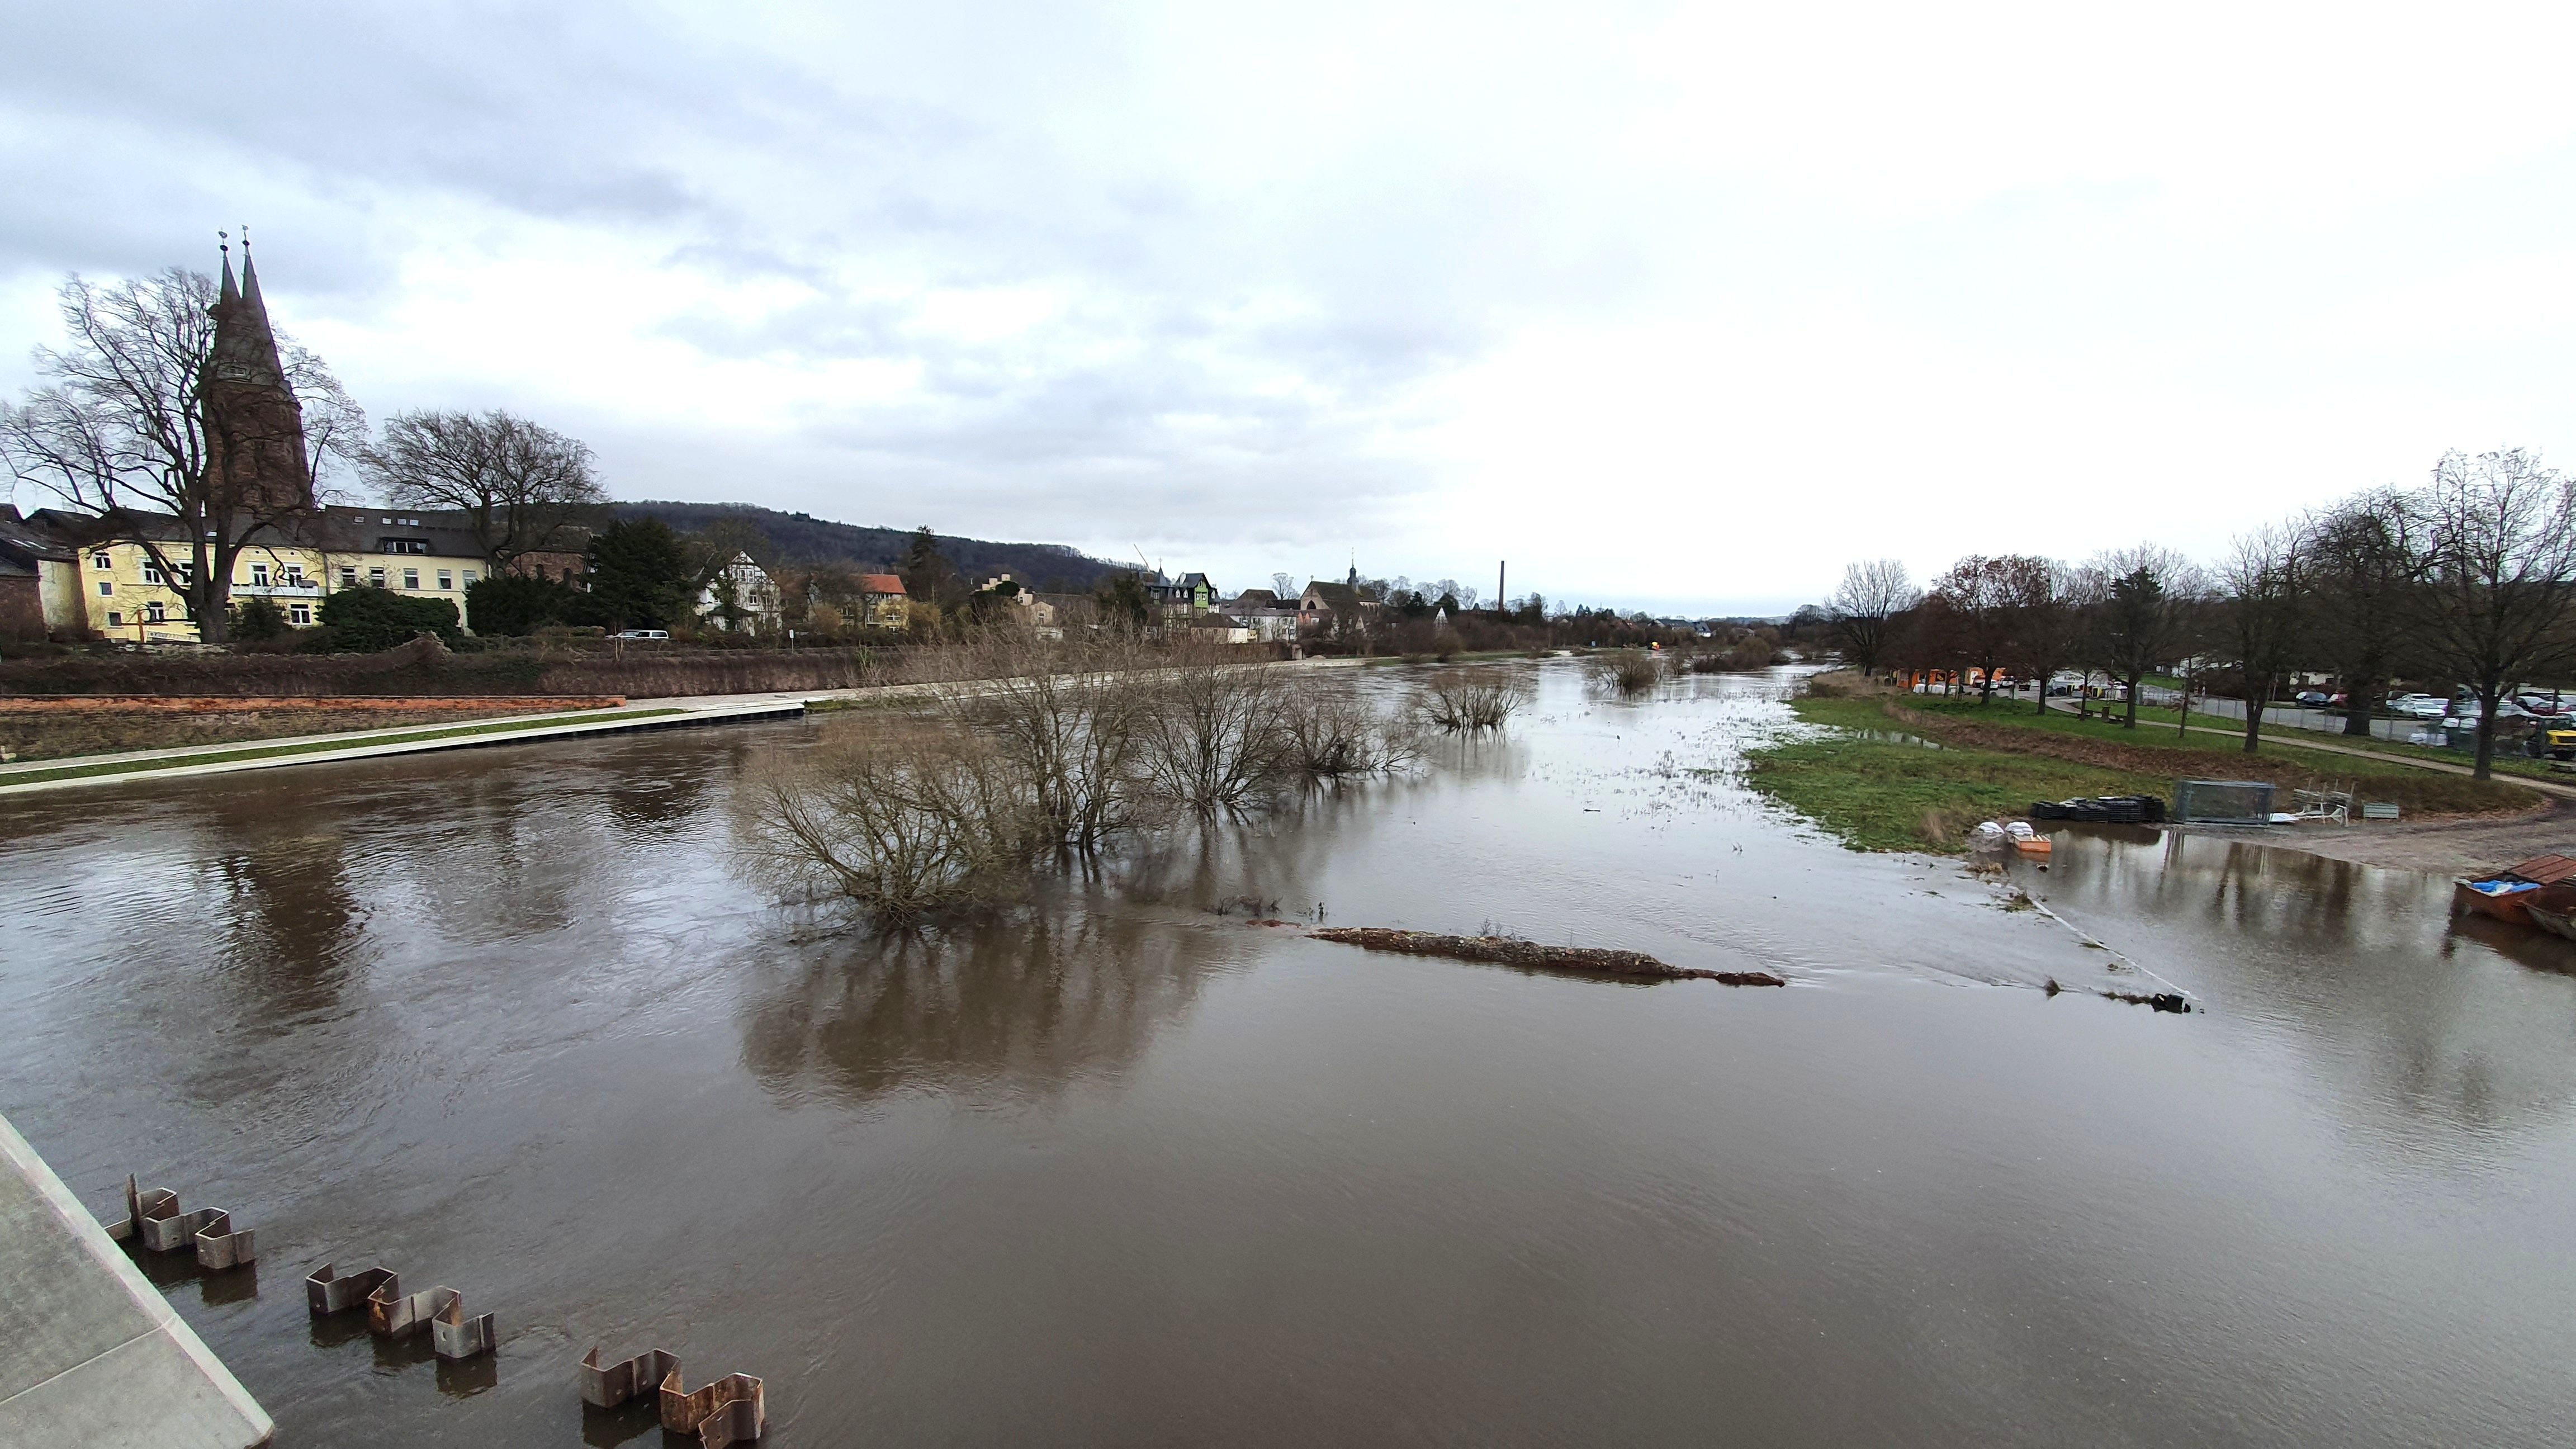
[(800, 540)]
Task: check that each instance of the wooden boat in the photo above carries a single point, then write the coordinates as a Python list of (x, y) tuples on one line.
[(2561, 922), (2508, 894)]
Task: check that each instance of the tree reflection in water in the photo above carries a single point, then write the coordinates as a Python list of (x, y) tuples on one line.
[(998, 1010)]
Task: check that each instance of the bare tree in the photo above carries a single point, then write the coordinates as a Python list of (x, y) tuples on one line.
[(2500, 575), (2147, 592), (121, 428), (2053, 607), (2364, 581), (1978, 592), (523, 488), (1869, 596), (2263, 612)]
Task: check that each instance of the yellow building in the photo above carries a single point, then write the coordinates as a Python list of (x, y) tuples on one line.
[(293, 565)]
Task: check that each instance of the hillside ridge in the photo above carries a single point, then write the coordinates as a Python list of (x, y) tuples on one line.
[(803, 541)]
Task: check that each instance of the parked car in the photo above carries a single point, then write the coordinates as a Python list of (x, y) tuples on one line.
[(2314, 699), (2421, 706), (643, 633), (2545, 707), (2465, 713)]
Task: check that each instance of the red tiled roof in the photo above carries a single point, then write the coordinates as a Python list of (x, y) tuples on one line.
[(880, 584)]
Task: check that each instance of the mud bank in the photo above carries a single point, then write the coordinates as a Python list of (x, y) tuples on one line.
[(1507, 951)]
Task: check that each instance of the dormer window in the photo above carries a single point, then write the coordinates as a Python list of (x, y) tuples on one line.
[(405, 545)]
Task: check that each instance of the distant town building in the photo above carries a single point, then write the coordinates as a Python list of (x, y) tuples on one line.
[(1189, 594), (742, 598), (1263, 615)]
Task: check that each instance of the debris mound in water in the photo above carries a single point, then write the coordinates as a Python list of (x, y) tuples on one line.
[(2160, 1000), (1506, 951)]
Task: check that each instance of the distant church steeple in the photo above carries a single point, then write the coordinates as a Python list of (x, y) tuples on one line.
[(255, 459)]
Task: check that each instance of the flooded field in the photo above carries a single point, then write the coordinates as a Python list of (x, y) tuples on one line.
[(1117, 1169)]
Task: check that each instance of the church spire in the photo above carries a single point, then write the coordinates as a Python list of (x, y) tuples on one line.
[(229, 293), (254, 427), (250, 282)]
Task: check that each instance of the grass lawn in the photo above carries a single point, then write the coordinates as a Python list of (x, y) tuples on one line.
[(2504, 764), (311, 747), (2277, 743), (1885, 794)]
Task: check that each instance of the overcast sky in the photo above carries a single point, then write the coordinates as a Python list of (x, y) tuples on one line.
[(1676, 308)]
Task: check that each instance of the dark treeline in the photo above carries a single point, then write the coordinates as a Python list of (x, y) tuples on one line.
[(2465, 582)]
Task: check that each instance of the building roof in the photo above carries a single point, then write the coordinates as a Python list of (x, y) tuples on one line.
[(28, 542), (880, 584), (1336, 596), (1256, 599), (340, 529)]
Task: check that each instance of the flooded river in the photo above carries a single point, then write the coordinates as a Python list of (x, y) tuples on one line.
[(1120, 1170)]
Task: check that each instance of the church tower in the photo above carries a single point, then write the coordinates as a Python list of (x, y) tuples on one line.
[(255, 460)]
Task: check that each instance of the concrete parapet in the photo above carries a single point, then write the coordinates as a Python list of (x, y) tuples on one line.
[(90, 1353)]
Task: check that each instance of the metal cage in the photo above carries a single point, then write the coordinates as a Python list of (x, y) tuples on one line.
[(2223, 802)]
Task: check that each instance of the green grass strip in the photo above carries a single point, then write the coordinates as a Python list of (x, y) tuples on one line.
[(1873, 790), (223, 756)]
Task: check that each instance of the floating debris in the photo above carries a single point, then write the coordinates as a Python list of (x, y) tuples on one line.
[(1511, 951), (732, 1410), (2161, 1000), (392, 1313), (152, 1215)]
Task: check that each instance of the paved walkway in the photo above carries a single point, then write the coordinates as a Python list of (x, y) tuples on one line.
[(365, 744), (638, 714)]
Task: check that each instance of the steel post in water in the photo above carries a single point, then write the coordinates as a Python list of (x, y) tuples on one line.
[(152, 1216), (732, 1410), (392, 1313)]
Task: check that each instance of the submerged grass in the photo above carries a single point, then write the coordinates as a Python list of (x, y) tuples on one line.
[(1878, 794)]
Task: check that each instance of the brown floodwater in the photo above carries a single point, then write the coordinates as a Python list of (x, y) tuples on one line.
[(1115, 1169)]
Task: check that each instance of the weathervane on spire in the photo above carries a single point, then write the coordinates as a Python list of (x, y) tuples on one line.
[(224, 243)]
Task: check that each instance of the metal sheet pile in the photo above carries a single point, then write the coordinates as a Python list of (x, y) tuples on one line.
[(152, 1216), (732, 1410), (392, 1313)]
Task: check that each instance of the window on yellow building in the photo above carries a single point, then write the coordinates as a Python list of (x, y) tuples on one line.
[(348, 578), (376, 577), (152, 613), (106, 590), (115, 620), (152, 572), (469, 578), (259, 576), (411, 578), (102, 561), (446, 579), (299, 615)]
